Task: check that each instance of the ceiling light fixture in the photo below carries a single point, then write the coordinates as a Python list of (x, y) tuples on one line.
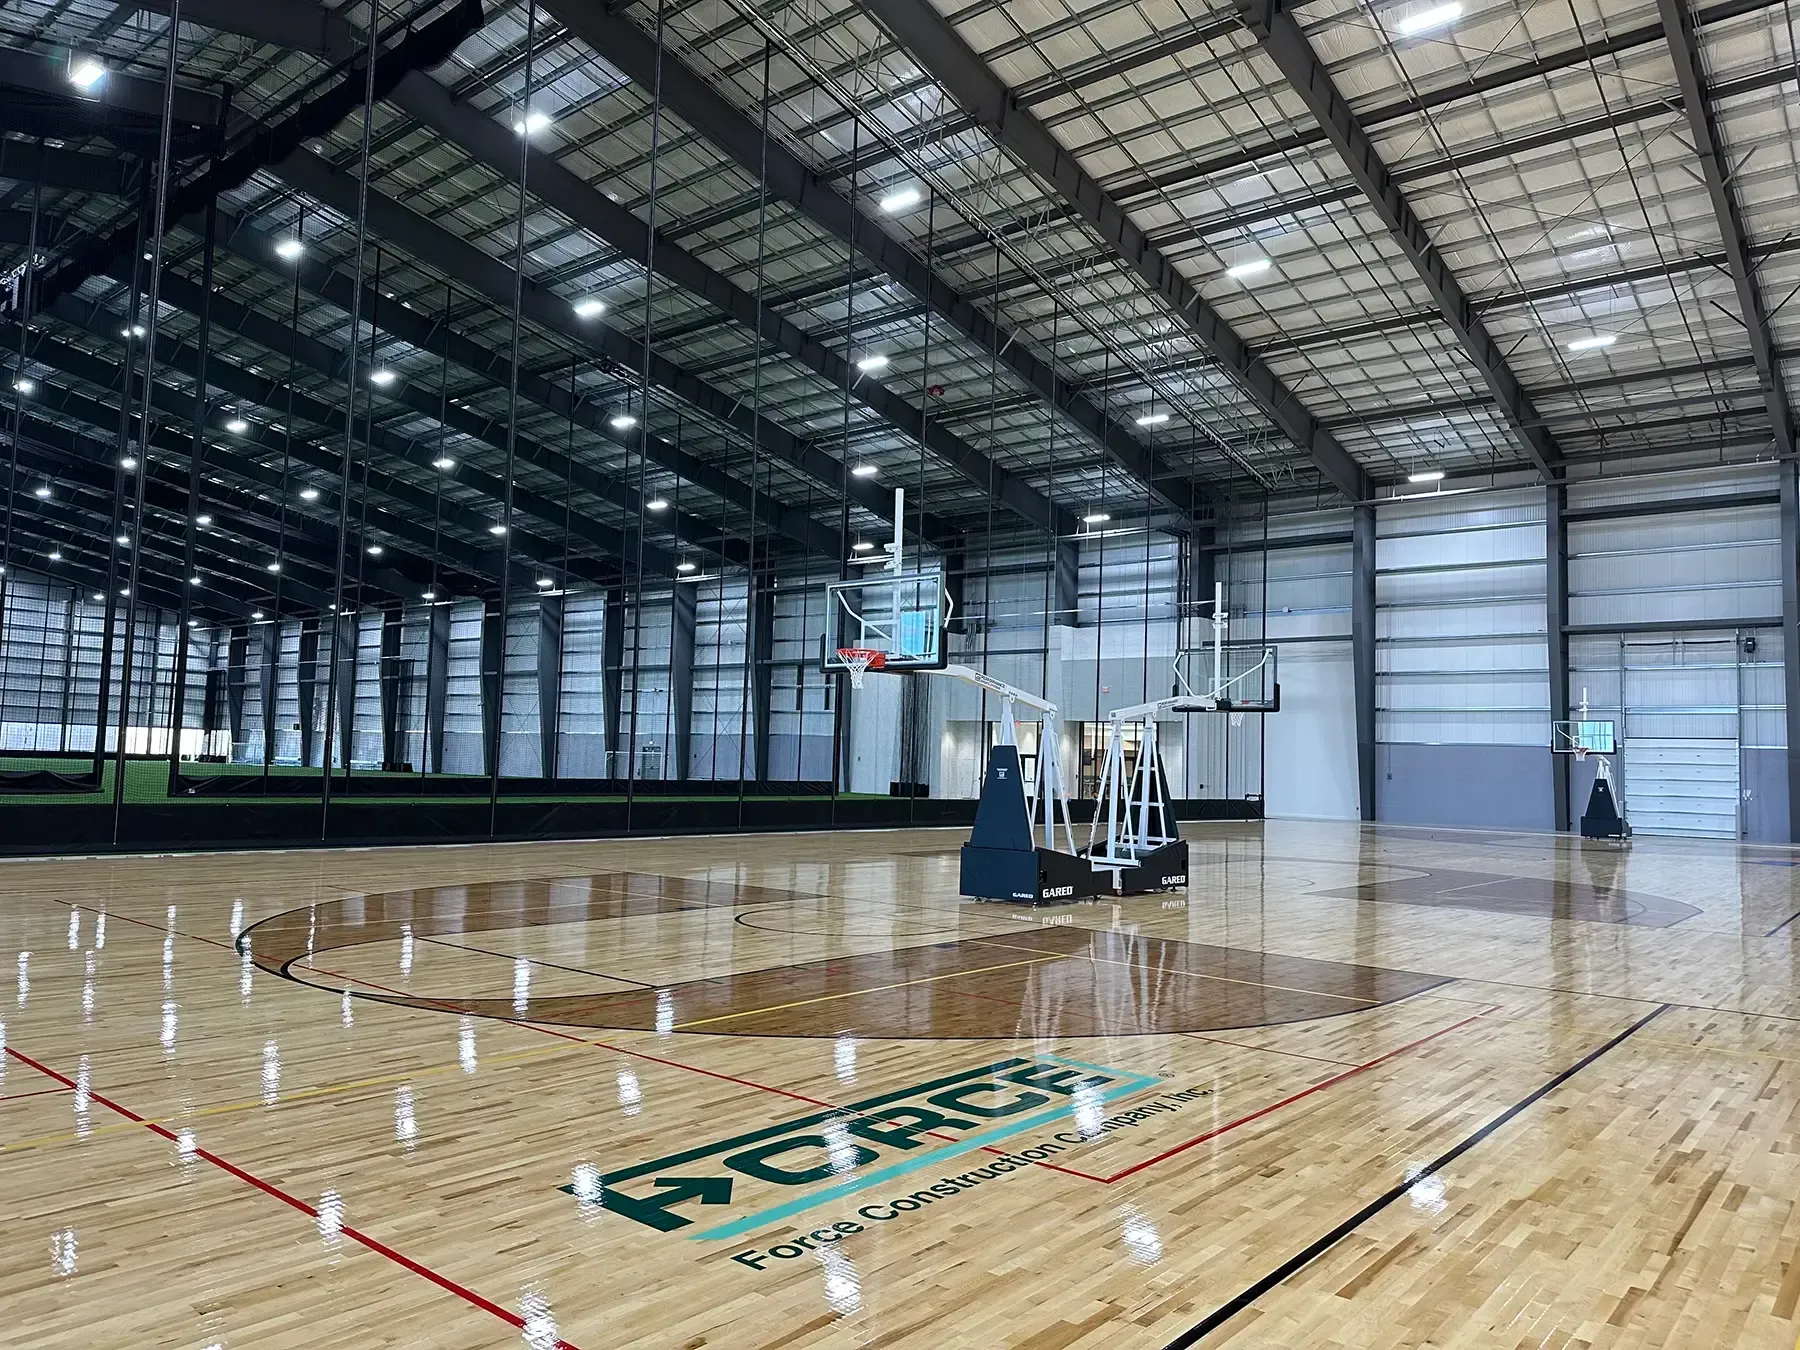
[(382, 377), (256, 614), (658, 504), (684, 567), (901, 200), (1426, 476), (496, 529), (865, 471), (589, 309), (430, 595), (1594, 342), (1255, 267), (237, 426), (533, 122), (309, 494), (1152, 419), (124, 590), (1095, 518), (289, 250), (1438, 16), (41, 492), (132, 330), (545, 583), (23, 385), (85, 72), (194, 581), (203, 521), (56, 555), (274, 567), (128, 463), (376, 550), (622, 421), (122, 540), (96, 596), (443, 462), (863, 546), (875, 362)]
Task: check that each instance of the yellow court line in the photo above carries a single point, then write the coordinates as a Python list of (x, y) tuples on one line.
[(858, 993), (1718, 1050)]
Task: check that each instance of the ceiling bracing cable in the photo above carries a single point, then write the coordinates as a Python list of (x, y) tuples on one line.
[(495, 728), (139, 526), (353, 377)]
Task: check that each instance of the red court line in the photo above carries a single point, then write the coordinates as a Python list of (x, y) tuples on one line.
[(267, 1188), (1289, 1101)]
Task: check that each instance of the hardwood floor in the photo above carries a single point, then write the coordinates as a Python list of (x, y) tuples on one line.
[(1370, 1087)]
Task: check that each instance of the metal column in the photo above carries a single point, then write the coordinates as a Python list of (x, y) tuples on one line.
[(307, 687), (1790, 634), (1362, 648), (1068, 584), (393, 688), (237, 653), (437, 686), (549, 681), (762, 675), (1556, 622), (684, 619), (612, 674), (493, 679)]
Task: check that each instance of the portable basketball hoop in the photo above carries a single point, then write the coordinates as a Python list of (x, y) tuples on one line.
[(859, 661)]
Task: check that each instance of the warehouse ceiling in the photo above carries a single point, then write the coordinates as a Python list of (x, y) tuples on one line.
[(1067, 261)]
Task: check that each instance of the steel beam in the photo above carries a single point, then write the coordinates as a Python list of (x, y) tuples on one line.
[(937, 46), (453, 256), (1684, 49), (420, 506), (694, 99), (549, 682), (1283, 42), (120, 92), (430, 334), (497, 147), (68, 169)]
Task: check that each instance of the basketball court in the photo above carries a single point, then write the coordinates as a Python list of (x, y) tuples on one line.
[(887, 675), (1351, 1087)]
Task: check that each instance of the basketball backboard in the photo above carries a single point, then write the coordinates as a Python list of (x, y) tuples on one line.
[(1584, 737), (902, 615), (1243, 676)]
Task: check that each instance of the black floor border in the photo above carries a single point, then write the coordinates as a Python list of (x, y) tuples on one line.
[(1783, 924), (1230, 1309)]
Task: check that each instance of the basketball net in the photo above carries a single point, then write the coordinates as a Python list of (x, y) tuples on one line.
[(1581, 753), (859, 661)]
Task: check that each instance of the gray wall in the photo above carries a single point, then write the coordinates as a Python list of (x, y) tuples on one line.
[(1487, 786)]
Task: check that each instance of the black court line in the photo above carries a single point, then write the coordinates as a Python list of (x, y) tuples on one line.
[(1783, 924), (1228, 1310), (514, 956)]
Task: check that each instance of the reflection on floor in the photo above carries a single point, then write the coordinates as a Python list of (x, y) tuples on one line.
[(1356, 1087)]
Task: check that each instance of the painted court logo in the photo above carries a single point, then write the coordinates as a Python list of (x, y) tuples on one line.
[(725, 1189)]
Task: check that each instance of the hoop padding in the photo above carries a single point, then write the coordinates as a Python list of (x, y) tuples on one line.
[(859, 661)]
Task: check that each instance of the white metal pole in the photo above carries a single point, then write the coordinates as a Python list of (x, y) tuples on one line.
[(1218, 635)]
